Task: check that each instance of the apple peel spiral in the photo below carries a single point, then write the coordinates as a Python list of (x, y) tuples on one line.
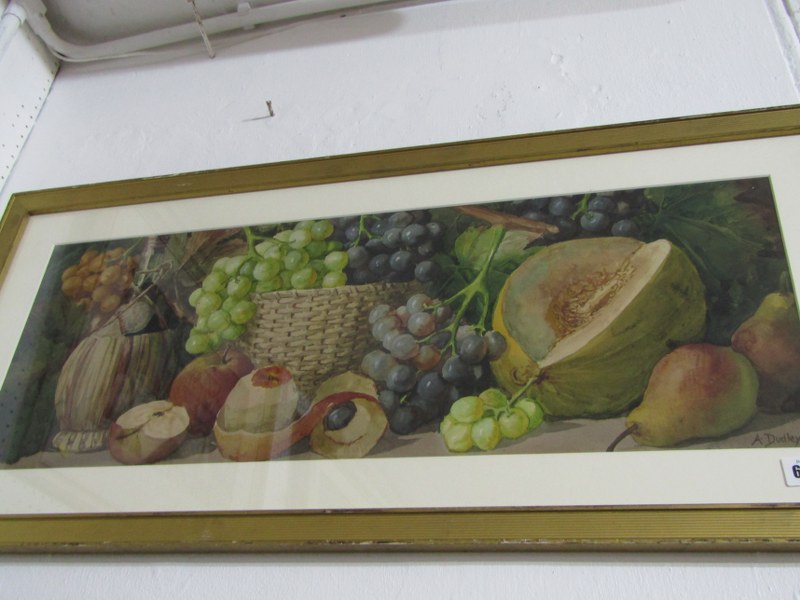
[(236, 441)]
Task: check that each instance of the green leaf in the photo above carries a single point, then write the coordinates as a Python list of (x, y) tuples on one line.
[(474, 244), (472, 249), (730, 232), (514, 248)]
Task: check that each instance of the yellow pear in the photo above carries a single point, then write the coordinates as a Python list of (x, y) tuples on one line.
[(696, 391), (771, 340)]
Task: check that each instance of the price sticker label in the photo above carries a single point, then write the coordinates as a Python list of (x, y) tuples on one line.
[(791, 471)]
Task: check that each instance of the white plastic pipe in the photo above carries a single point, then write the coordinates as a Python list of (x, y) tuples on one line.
[(11, 20), (242, 19)]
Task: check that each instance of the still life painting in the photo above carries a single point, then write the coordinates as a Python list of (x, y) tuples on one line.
[(613, 320)]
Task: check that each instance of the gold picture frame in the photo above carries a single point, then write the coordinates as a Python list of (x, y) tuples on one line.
[(729, 520)]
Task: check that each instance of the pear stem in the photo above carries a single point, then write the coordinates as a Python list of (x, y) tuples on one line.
[(630, 430)]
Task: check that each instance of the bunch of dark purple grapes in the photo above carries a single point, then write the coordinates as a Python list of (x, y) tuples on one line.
[(426, 360), (585, 215), (390, 247)]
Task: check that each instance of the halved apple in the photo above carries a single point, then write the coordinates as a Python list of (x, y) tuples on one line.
[(364, 425), (357, 437), (148, 432)]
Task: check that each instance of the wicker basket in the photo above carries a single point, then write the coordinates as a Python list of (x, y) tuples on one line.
[(317, 333)]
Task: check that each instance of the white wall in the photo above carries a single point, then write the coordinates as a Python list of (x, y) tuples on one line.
[(454, 70)]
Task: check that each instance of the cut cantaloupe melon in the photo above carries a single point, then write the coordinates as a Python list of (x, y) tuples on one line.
[(586, 320)]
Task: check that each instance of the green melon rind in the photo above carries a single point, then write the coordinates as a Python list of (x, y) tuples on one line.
[(609, 373)]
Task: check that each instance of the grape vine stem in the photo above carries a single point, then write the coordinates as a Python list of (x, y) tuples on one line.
[(524, 389), (250, 238), (475, 289)]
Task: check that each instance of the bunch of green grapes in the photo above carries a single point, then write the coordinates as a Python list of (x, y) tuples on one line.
[(299, 258), (482, 421)]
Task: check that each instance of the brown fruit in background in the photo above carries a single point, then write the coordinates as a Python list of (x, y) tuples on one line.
[(88, 256), (72, 286), (110, 274)]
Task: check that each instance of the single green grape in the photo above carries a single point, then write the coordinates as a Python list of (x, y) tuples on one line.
[(202, 325), (234, 263), (486, 433), (513, 423), (215, 281), (243, 312), (494, 398), (533, 410), (336, 260), (334, 279), (316, 248), (295, 260), (262, 247), (195, 296), (321, 230), (447, 423), (269, 285), (299, 238), (284, 236), (197, 343), (276, 252), (232, 332), (239, 286), (333, 245), (304, 278), (214, 340), (304, 225), (228, 303), (220, 263), (208, 303), (266, 268), (318, 265), (218, 320), (457, 436), (467, 409), (247, 267)]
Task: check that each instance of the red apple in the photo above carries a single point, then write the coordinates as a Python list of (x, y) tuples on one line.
[(204, 384), (148, 432)]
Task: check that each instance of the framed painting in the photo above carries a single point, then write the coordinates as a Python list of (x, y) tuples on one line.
[(584, 339)]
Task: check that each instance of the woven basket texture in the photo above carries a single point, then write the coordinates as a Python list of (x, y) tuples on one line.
[(317, 333)]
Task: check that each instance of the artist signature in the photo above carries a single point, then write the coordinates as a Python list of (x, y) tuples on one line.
[(765, 440)]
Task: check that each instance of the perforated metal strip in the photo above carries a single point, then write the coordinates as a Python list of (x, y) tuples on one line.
[(27, 71)]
